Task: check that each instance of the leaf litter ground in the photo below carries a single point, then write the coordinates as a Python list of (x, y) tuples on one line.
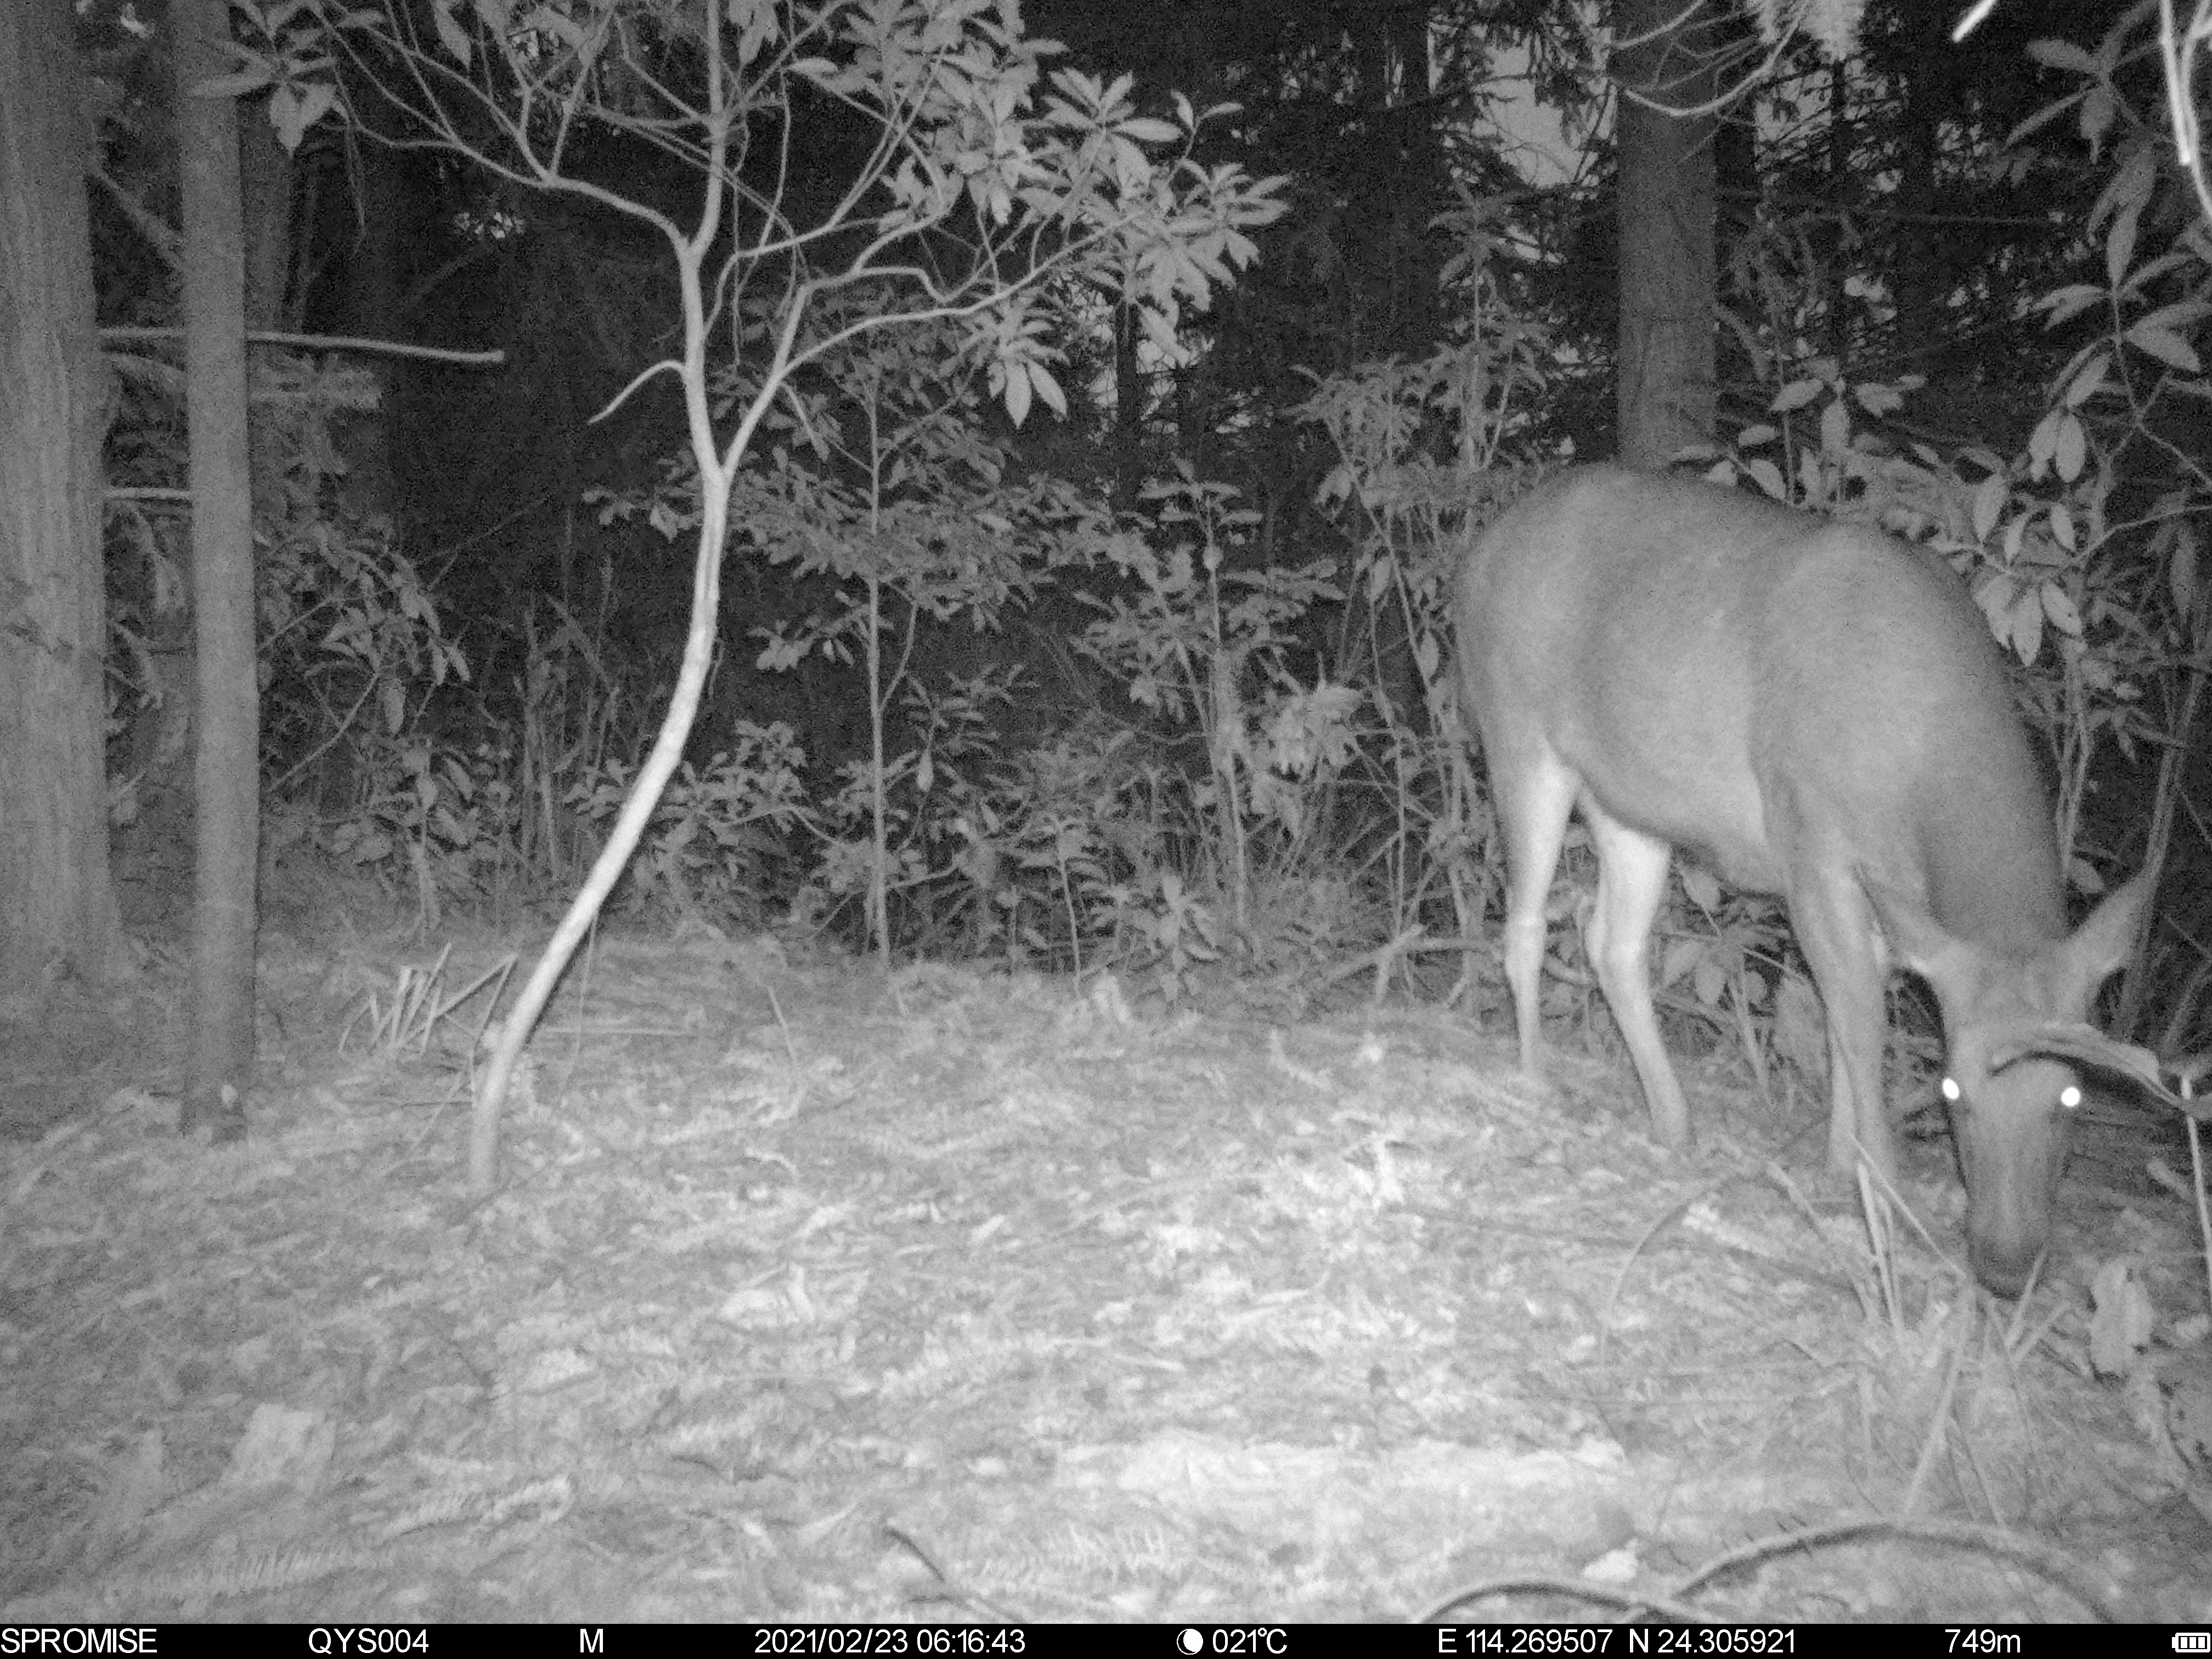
[(811, 1293)]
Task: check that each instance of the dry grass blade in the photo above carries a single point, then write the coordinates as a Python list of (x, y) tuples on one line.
[(408, 1023)]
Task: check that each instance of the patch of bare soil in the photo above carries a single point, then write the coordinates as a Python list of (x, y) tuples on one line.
[(813, 1294)]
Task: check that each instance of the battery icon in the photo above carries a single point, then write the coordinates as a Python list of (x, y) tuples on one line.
[(2192, 1641)]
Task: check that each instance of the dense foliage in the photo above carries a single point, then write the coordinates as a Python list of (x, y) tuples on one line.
[(1163, 685)]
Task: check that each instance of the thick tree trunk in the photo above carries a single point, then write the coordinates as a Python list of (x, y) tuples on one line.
[(1735, 172), (227, 787), (1665, 208), (56, 904)]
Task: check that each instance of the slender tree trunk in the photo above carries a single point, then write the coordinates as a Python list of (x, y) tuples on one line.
[(1666, 207), (264, 170), (1843, 195), (154, 853), (57, 902), (1918, 283), (265, 190), (1416, 251), (1128, 409), (375, 305), (225, 784)]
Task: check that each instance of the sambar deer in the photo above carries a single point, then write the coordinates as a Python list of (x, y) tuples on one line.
[(1815, 710)]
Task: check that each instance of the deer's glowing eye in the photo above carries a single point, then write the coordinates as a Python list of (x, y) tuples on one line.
[(1952, 1091), (2069, 1097)]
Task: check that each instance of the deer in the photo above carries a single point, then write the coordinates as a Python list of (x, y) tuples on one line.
[(1814, 710)]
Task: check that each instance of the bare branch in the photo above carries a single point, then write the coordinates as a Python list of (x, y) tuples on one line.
[(1723, 62), (157, 233), (361, 342), (665, 366)]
